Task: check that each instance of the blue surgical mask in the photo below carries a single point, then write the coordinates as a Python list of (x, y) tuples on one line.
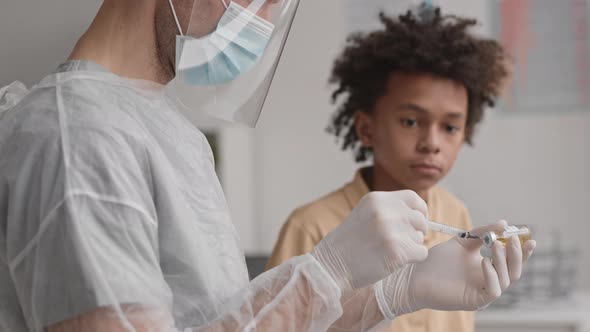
[(231, 50)]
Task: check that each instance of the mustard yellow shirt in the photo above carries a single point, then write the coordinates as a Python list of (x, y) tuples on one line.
[(307, 225)]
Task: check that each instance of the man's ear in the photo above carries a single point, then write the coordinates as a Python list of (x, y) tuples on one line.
[(363, 125)]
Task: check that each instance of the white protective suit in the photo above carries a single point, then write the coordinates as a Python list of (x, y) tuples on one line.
[(109, 201)]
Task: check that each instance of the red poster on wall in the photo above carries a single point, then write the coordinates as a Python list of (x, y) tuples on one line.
[(550, 43)]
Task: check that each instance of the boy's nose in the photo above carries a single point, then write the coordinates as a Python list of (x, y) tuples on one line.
[(429, 142)]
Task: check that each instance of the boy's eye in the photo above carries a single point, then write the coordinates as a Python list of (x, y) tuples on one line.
[(451, 129), (409, 123)]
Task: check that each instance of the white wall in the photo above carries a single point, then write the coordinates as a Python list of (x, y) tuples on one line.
[(36, 36), (296, 160)]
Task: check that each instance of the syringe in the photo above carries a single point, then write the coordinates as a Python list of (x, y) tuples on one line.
[(442, 228)]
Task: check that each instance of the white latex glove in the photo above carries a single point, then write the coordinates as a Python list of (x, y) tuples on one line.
[(384, 232), (454, 276)]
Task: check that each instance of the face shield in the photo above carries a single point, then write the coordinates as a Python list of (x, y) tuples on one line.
[(227, 72)]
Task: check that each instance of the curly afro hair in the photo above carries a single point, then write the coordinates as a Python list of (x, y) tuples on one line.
[(422, 43)]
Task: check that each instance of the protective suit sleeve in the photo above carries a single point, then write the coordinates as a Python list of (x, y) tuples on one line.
[(80, 231), (90, 253), (297, 295), (361, 312)]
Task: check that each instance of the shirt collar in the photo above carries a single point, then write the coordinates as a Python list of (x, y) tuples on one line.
[(357, 188), (80, 65)]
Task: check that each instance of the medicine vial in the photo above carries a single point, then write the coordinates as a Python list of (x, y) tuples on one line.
[(522, 231)]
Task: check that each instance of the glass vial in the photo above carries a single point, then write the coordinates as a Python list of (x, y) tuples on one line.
[(522, 231)]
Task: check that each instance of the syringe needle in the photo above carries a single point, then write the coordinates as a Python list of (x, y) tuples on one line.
[(446, 229)]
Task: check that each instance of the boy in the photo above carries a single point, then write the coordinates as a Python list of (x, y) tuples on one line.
[(412, 94)]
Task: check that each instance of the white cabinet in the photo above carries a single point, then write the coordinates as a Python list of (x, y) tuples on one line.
[(572, 315), (527, 329)]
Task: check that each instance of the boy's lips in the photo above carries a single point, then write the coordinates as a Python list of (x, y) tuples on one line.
[(426, 168)]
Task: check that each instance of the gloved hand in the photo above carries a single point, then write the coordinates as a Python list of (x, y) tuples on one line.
[(384, 232), (454, 276)]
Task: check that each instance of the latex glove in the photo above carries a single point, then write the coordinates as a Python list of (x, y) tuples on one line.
[(455, 276), (384, 232)]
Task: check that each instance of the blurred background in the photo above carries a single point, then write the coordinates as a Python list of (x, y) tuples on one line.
[(530, 163)]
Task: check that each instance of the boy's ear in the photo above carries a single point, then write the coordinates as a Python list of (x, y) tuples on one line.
[(363, 125)]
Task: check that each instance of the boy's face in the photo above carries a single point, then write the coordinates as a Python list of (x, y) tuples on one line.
[(416, 129)]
